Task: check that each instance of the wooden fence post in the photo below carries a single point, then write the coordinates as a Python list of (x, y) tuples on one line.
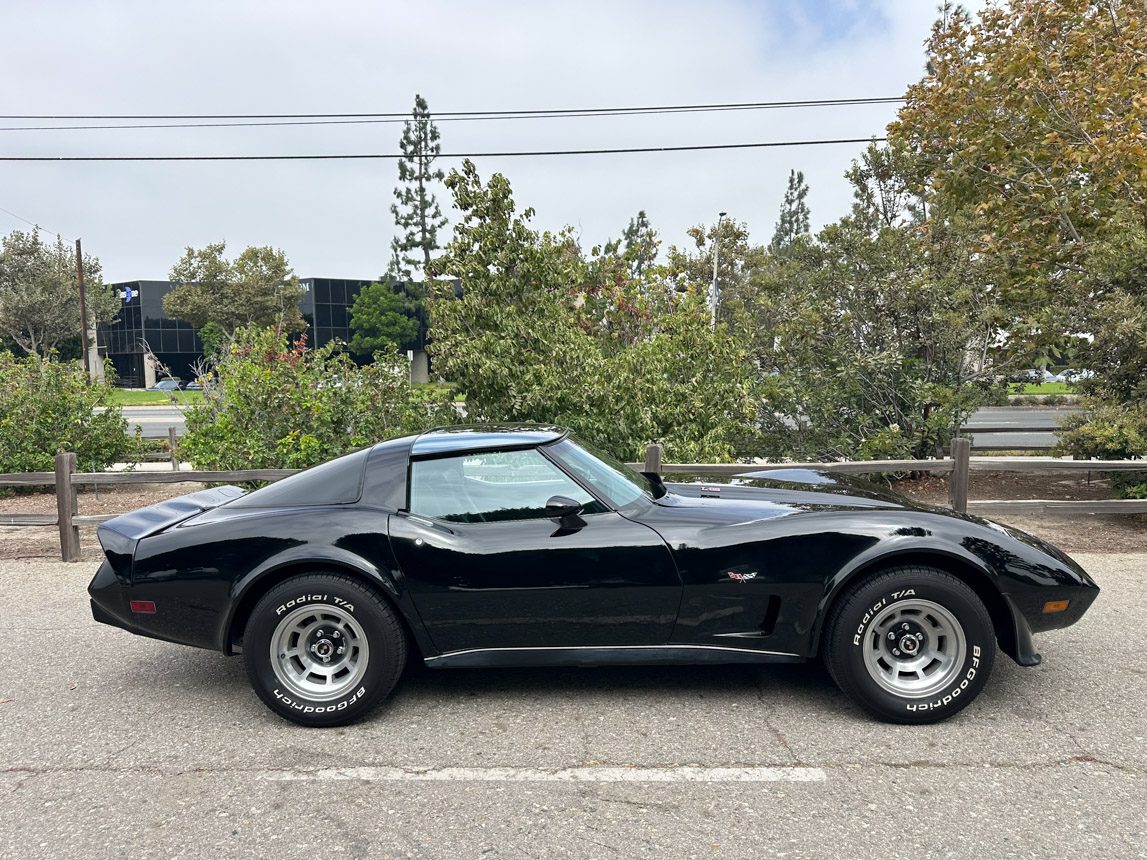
[(66, 506), (653, 458), (171, 437), (958, 482)]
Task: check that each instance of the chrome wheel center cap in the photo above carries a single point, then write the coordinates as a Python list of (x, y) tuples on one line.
[(908, 644)]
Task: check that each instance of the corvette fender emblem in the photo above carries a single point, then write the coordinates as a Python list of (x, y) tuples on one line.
[(742, 577)]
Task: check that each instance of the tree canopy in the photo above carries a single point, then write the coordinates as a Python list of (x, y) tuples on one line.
[(39, 293), (546, 332), (382, 319), (1030, 125), (257, 288)]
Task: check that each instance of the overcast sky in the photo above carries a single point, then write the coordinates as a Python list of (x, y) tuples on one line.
[(333, 218)]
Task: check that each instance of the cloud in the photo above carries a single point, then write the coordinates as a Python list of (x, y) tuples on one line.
[(332, 218)]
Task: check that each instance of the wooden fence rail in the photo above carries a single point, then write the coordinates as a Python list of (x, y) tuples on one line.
[(65, 479)]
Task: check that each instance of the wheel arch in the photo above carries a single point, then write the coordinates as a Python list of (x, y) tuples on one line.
[(974, 575), (249, 590)]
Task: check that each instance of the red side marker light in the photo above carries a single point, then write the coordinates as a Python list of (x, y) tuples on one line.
[(146, 607), (1055, 606)]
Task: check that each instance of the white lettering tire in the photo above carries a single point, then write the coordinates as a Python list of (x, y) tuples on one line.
[(910, 645), (323, 649)]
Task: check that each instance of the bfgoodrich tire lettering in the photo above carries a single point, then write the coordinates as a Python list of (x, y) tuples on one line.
[(910, 645), (323, 649)]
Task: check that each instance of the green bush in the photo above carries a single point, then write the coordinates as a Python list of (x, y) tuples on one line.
[(272, 404), (48, 406), (1110, 433)]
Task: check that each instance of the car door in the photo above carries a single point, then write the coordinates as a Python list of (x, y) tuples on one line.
[(487, 568)]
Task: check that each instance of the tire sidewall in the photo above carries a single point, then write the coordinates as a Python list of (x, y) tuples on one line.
[(855, 625), (319, 592)]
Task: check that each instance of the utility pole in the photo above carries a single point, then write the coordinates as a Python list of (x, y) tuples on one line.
[(83, 310), (713, 286)]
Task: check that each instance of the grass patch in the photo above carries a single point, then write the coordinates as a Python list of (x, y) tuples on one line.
[(1041, 388), (130, 397)]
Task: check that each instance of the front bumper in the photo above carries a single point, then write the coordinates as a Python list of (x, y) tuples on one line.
[(1028, 617)]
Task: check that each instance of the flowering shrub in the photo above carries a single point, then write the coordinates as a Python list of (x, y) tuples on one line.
[(275, 404)]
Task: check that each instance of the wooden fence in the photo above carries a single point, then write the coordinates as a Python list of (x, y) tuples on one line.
[(958, 467)]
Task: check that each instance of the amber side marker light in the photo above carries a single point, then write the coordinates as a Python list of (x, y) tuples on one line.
[(1055, 606)]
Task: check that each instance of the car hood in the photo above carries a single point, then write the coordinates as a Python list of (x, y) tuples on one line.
[(786, 492)]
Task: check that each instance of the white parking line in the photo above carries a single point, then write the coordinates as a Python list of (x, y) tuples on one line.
[(569, 774)]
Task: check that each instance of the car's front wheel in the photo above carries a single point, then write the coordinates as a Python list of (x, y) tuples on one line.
[(323, 649), (911, 645)]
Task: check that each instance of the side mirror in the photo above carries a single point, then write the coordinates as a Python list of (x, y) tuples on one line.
[(560, 507)]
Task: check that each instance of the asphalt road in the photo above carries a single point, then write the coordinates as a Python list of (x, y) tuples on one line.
[(156, 419), (117, 746), (1018, 416)]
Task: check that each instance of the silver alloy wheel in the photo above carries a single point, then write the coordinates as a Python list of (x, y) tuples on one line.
[(914, 648), (319, 652)]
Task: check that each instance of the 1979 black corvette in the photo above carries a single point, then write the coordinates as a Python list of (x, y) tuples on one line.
[(514, 546)]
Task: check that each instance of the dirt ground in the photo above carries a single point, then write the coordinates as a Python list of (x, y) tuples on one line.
[(1071, 532)]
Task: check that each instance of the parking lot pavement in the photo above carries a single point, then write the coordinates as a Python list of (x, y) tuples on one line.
[(114, 745)]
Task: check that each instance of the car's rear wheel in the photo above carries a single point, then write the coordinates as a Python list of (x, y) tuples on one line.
[(323, 649), (910, 645)]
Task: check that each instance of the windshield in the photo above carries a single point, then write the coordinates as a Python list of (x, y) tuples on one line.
[(613, 480)]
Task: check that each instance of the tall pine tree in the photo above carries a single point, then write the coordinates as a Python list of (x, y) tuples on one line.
[(417, 216), (641, 244), (793, 221)]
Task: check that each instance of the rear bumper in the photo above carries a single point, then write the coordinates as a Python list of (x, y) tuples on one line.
[(109, 599)]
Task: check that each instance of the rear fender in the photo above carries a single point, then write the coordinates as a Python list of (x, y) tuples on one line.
[(120, 535), (247, 590)]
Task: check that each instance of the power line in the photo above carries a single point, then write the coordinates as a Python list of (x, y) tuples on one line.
[(394, 155), (446, 116), (32, 223)]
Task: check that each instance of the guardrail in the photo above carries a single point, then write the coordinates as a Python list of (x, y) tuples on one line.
[(66, 479), (958, 466)]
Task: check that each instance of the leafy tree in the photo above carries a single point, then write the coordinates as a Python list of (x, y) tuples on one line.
[(1114, 277), (272, 403), (213, 338), (256, 288), (793, 221), (873, 331), (1030, 123), (39, 295), (416, 212), (541, 333), (48, 406), (382, 320), (691, 268), (510, 341)]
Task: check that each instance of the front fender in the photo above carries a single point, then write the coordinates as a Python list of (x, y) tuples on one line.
[(904, 550)]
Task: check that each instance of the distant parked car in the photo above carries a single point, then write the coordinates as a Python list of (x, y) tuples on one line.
[(1034, 374), (167, 385), (194, 385), (1071, 375)]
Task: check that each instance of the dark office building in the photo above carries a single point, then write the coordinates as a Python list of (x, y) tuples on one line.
[(143, 324), (326, 307)]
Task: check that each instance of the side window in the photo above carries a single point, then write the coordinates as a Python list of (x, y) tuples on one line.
[(491, 487)]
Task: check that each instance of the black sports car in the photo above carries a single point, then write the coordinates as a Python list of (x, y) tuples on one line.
[(515, 546)]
